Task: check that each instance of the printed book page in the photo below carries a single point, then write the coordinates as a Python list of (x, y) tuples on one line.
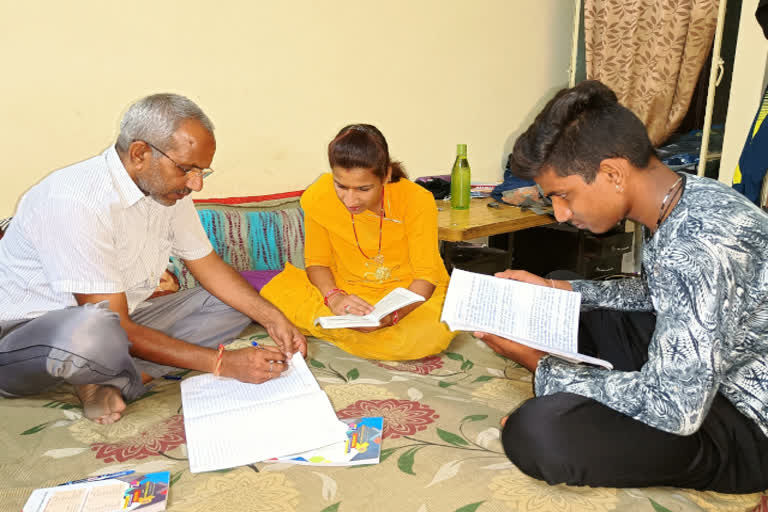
[(541, 317), (394, 300), (131, 491), (230, 423)]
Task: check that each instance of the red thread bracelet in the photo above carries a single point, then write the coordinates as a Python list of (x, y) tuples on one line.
[(217, 368), (395, 317), (330, 293)]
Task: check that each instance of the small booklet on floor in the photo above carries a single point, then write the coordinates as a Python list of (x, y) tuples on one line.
[(540, 317), (394, 300), (362, 446), (127, 490), (230, 423)]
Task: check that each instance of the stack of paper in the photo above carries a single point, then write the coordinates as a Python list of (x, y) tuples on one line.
[(230, 423)]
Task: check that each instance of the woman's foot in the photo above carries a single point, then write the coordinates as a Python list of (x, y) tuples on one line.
[(101, 404)]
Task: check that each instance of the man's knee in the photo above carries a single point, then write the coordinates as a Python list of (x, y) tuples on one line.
[(79, 345), (92, 333), (536, 436), (212, 309), (220, 318), (215, 306)]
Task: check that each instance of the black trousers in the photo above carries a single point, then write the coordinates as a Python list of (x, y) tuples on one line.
[(567, 438)]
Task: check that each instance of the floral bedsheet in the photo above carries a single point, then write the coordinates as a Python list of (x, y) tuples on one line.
[(440, 448)]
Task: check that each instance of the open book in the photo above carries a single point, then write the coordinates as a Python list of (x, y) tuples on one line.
[(362, 446), (394, 300), (231, 423), (126, 490), (540, 317)]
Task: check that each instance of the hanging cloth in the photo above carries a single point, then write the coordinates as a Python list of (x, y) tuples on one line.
[(753, 162)]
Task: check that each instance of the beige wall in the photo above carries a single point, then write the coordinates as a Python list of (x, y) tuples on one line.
[(279, 79)]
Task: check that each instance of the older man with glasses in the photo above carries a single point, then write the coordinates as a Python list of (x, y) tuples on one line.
[(86, 249)]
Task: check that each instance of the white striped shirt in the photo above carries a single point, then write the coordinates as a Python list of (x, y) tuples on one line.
[(87, 228)]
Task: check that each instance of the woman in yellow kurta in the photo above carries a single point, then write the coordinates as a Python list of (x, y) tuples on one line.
[(368, 230)]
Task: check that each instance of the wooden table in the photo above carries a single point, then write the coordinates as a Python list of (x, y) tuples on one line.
[(480, 220)]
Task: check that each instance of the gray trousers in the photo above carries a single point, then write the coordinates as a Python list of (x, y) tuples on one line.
[(86, 345)]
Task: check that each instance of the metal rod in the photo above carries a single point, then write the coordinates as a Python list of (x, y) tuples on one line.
[(716, 63), (575, 42)]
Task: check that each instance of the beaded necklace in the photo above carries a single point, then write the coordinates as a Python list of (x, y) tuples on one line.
[(666, 203), (382, 273)]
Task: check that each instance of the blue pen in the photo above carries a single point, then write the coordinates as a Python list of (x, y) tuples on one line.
[(172, 377), (255, 344), (100, 477)]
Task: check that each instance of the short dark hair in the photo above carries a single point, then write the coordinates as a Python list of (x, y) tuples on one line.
[(364, 146), (579, 128)]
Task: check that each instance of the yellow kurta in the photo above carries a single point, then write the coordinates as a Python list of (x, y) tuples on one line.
[(410, 249)]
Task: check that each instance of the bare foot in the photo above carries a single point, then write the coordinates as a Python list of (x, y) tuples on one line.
[(101, 404)]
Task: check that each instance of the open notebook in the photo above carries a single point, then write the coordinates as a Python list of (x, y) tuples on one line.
[(231, 423), (541, 317)]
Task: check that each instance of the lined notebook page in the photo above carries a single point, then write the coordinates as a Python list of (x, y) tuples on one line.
[(230, 423), (208, 394)]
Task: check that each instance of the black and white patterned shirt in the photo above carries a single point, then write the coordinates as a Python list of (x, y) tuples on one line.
[(707, 280)]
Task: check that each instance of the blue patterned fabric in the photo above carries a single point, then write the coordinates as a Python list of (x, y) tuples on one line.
[(707, 280), (223, 230), (265, 230), (251, 240)]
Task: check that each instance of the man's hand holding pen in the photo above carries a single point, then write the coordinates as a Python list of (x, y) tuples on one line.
[(255, 364)]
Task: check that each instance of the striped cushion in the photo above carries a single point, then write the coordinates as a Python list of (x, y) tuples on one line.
[(250, 240)]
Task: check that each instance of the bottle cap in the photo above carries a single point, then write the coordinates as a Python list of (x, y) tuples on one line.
[(461, 149)]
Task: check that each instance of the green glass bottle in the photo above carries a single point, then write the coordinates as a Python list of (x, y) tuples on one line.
[(460, 179)]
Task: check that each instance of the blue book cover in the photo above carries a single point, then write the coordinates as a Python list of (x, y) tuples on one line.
[(363, 446)]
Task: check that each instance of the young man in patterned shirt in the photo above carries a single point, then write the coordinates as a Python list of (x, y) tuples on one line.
[(687, 402)]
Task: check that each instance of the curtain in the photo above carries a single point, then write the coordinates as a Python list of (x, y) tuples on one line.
[(650, 52)]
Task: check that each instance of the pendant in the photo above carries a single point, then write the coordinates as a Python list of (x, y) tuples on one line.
[(381, 273)]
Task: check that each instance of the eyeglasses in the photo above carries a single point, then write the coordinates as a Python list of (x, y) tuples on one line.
[(204, 173)]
